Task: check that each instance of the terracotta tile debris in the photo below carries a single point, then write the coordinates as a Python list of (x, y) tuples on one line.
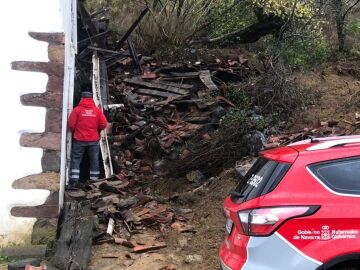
[(146, 248), (109, 256), (30, 267)]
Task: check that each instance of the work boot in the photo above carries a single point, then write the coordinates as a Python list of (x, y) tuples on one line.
[(71, 185)]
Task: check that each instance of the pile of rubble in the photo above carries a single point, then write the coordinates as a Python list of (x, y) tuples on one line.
[(154, 108), (164, 107), (124, 209), (319, 129)]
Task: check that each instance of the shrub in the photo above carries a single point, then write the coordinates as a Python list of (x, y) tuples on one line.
[(353, 32), (226, 16), (238, 96), (168, 23)]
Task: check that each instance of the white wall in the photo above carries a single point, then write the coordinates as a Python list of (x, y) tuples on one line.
[(17, 19)]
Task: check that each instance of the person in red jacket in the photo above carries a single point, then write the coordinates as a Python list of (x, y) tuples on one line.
[(85, 122)]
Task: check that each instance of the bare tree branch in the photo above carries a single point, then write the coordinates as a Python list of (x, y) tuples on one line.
[(350, 8)]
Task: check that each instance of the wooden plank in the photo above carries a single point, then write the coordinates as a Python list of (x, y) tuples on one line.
[(158, 86), (205, 77), (73, 247), (180, 75), (86, 20), (131, 29), (179, 85), (157, 93), (134, 54), (109, 51)]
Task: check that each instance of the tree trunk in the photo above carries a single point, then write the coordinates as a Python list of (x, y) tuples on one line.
[(340, 23), (341, 35)]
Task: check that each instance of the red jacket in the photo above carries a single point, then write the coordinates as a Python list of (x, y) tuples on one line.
[(86, 120)]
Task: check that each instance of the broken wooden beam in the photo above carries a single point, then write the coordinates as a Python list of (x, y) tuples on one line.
[(134, 54), (179, 85), (179, 75), (86, 19), (109, 51), (131, 29), (157, 93), (73, 247), (156, 85)]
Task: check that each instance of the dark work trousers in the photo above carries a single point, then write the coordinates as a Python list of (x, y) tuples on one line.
[(78, 150)]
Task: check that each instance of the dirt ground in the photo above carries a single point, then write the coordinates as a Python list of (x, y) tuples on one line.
[(208, 221), (338, 90)]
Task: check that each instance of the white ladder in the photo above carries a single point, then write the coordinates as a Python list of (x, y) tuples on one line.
[(104, 144)]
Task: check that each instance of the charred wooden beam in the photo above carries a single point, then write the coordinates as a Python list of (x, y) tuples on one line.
[(180, 85), (86, 19), (92, 39), (75, 232), (109, 51), (131, 29), (157, 93), (91, 29), (180, 75), (134, 54)]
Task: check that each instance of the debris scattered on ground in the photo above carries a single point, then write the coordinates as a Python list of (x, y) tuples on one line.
[(320, 129), (125, 209)]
